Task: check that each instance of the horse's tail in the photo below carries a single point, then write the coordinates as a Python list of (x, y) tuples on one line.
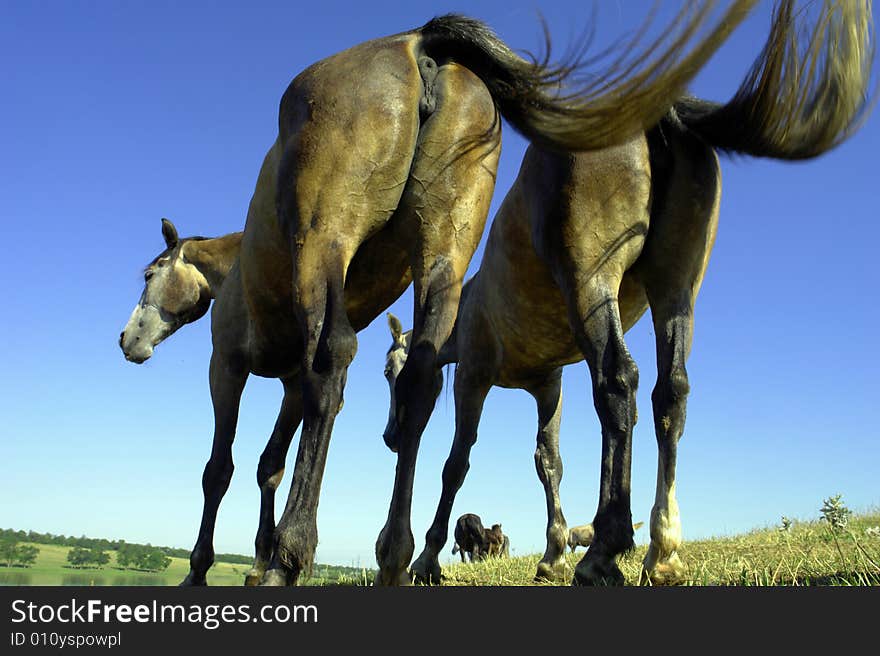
[(561, 106), (796, 105), (455, 548)]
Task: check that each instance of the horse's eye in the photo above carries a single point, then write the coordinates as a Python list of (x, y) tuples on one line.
[(147, 276)]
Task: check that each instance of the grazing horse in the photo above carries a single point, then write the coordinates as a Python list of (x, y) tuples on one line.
[(477, 542), (179, 285), (585, 243), (582, 536), (385, 160)]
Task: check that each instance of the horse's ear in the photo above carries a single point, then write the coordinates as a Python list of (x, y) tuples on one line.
[(395, 326), (169, 232)]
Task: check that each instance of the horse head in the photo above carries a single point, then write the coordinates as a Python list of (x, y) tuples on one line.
[(394, 361), (175, 293)]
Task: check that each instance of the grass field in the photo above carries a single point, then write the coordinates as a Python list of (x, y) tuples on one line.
[(807, 554), (52, 568)]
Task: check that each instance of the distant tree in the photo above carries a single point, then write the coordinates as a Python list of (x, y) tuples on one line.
[(27, 555), (78, 557), (8, 549), (98, 556), (155, 560)]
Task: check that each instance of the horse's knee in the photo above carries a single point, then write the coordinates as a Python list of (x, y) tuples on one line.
[(625, 378), (669, 399), (269, 472), (336, 349), (436, 537), (671, 390), (548, 463)]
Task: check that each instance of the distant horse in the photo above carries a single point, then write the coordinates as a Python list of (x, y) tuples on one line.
[(582, 536), (477, 542), (382, 174), (585, 243)]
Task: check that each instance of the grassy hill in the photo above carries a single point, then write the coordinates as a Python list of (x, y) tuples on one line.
[(809, 553)]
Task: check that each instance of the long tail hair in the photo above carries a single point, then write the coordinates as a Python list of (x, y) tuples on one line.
[(560, 107), (796, 103)]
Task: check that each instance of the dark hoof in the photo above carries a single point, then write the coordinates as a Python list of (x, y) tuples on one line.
[(192, 580), (384, 578), (597, 571), (425, 570)]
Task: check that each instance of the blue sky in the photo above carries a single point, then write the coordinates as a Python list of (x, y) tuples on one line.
[(116, 114)]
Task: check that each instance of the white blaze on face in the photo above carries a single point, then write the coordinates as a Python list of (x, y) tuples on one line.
[(145, 329), (394, 362), (146, 326)]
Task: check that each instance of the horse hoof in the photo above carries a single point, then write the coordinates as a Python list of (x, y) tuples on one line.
[(274, 578), (192, 580), (670, 571), (426, 571), (253, 578), (392, 579), (593, 571), (547, 572)]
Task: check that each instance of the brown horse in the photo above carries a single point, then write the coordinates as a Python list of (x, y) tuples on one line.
[(401, 134), (382, 174), (179, 285), (585, 243)]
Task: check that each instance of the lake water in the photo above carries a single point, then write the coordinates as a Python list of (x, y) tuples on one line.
[(82, 578)]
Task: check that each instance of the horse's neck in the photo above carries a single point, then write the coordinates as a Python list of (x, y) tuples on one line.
[(214, 257)]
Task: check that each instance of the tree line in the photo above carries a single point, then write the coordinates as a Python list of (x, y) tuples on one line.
[(108, 545), (128, 556)]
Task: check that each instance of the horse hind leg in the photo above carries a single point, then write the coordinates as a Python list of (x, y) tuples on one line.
[(548, 463), (599, 333), (672, 267), (443, 210), (269, 474), (330, 347), (662, 564)]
